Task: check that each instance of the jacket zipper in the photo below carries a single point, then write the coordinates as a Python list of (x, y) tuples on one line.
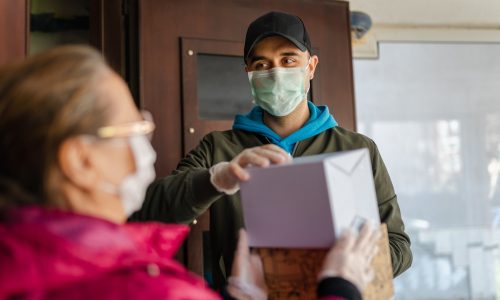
[(295, 149)]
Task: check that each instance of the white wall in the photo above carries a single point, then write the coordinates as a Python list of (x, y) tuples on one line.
[(427, 21)]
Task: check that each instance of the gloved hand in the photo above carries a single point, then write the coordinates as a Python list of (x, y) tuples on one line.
[(351, 256), (247, 275), (226, 176)]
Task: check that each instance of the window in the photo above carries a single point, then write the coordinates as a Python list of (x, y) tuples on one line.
[(223, 87), (434, 112), (58, 22)]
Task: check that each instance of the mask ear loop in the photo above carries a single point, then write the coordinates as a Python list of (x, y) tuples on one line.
[(311, 77), (308, 63)]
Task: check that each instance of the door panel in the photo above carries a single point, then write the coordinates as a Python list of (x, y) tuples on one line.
[(195, 126)]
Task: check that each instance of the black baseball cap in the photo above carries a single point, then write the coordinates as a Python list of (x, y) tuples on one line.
[(277, 23)]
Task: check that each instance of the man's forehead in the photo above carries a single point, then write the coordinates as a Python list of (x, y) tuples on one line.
[(276, 45)]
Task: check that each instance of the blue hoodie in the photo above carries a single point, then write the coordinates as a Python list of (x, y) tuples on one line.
[(319, 121)]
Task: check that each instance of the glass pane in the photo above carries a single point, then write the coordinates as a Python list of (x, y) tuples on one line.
[(434, 111), (223, 87), (58, 22)]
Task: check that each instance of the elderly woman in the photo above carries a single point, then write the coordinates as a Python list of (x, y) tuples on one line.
[(76, 162)]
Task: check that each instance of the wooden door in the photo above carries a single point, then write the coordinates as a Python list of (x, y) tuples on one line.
[(114, 31), (13, 30), (196, 125), (173, 34), (107, 24)]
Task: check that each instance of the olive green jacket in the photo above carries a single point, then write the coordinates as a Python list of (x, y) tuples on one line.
[(187, 192)]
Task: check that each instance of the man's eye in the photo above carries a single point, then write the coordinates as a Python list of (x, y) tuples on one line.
[(289, 61), (260, 66)]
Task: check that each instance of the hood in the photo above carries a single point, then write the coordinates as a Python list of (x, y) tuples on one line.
[(320, 120)]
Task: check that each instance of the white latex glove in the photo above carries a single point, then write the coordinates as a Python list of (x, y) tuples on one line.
[(226, 176), (351, 256), (247, 275)]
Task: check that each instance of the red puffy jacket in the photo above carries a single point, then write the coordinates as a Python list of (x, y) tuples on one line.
[(50, 254)]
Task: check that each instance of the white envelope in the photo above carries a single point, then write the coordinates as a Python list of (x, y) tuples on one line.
[(310, 202)]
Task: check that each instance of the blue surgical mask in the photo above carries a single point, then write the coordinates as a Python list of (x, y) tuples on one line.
[(278, 90)]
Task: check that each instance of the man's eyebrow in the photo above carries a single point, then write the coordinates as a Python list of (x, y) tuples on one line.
[(289, 54), (256, 58)]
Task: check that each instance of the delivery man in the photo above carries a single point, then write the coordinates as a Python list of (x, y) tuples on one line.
[(283, 124)]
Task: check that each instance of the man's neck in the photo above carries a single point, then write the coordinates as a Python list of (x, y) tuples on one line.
[(284, 126)]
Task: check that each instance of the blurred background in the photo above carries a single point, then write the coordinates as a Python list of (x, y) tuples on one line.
[(427, 91)]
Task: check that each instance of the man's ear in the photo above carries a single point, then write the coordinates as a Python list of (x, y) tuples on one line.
[(312, 64), (75, 162)]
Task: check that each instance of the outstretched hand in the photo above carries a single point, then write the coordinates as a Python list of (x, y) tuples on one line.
[(351, 256), (247, 274)]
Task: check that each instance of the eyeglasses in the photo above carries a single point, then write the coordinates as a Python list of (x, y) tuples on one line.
[(144, 127)]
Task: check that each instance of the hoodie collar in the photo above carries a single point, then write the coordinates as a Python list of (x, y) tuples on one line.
[(320, 120)]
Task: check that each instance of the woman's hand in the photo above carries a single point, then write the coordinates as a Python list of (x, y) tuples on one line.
[(247, 275), (351, 256)]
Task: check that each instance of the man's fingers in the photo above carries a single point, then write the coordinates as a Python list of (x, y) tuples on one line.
[(252, 158), (261, 156), (238, 172), (275, 148), (274, 156)]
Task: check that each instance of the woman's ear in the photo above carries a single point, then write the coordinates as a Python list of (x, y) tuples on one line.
[(75, 162)]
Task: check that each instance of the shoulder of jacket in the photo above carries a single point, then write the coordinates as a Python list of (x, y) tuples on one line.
[(352, 136), (229, 135)]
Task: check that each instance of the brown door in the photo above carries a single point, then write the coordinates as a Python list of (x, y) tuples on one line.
[(111, 28), (107, 24), (181, 42), (13, 30)]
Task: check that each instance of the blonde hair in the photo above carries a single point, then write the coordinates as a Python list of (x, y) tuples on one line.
[(45, 100)]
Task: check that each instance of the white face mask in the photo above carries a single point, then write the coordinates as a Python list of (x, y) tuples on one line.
[(278, 90), (132, 190)]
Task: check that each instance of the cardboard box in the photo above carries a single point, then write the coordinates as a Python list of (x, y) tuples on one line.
[(293, 214), (292, 273)]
